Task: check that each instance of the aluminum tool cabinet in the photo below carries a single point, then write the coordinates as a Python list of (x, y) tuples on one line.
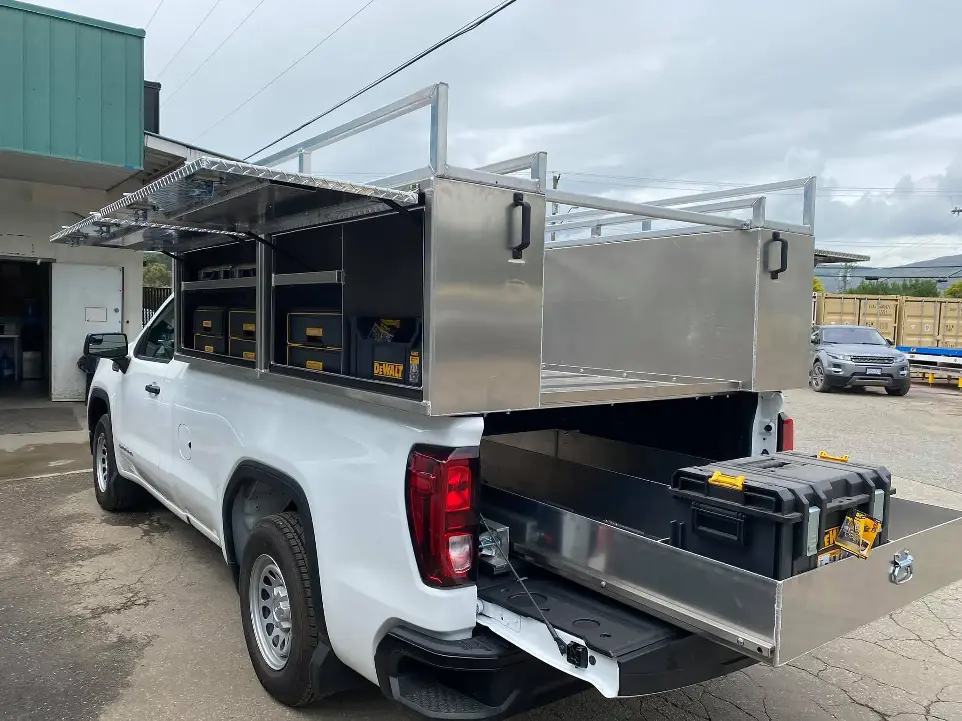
[(517, 312)]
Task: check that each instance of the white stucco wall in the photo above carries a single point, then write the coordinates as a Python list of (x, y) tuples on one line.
[(31, 212)]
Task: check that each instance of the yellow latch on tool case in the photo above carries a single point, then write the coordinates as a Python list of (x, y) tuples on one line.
[(828, 457), (721, 479)]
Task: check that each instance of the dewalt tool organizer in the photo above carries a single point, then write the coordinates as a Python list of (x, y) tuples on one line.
[(387, 349)]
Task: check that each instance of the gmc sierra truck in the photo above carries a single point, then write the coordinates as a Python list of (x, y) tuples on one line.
[(484, 456)]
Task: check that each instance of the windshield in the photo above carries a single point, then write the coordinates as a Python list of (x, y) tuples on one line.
[(854, 336)]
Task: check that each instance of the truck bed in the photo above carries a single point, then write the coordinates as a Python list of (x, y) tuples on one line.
[(576, 507)]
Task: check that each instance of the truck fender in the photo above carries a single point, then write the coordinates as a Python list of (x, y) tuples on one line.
[(329, 674), (97, 405)]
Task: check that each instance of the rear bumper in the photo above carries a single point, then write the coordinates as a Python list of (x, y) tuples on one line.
[(487, 677), (483, 677)]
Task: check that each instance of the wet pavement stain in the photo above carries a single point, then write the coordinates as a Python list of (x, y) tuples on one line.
[(56, 661), (149, 524)]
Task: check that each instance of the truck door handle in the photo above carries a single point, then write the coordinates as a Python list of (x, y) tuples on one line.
[(153, 389), (525, 206), (783, 264)]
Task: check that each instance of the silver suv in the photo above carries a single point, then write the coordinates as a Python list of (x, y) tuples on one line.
[(846, 356)]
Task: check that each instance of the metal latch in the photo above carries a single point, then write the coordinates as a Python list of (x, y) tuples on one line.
[(811, 530), (493, 547), (902, 571)]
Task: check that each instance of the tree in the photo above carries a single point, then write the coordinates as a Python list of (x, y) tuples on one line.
[(916, 287), (156, 276), (954, 290), (817, 285), (151, 257)]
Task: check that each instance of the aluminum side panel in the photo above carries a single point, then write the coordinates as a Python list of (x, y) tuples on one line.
[(680, 306), (483, 307), (822, 605), (784, 314)]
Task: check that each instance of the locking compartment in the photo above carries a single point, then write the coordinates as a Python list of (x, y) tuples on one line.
[(595, 507)]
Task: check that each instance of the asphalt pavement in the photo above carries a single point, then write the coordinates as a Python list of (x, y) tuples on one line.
[(134, 616)]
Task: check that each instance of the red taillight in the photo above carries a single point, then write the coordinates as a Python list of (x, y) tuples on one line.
[(441, 515), (786, 433)]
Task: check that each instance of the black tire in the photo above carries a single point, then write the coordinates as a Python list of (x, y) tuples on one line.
[(817, 379), (281, 536), (114, 492), (899, 390)]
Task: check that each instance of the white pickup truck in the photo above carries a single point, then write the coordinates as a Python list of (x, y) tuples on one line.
[(457, 448)]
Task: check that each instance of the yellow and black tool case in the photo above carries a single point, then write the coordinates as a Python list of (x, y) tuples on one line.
[(242, 323), (315, 358), (387, 349), (210, 320), (777, 515), (242, 348), (210, 343), (315, 327)]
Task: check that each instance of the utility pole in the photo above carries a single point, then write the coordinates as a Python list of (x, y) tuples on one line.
[(555, 179), (844, 276)]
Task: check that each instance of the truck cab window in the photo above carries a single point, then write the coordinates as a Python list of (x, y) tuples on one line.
[(158, 342)]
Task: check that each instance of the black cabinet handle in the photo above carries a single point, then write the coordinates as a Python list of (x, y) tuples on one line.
[(783, 265), (525, 206), (153, 389)]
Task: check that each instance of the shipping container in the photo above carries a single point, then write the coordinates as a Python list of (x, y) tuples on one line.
[(879, 312), (919, 322), (950, 323), (838, 309)]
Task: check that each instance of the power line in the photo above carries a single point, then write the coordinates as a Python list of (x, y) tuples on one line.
[(207, 59), (189, 37), (154, 13), (286, 70), (464, 29)]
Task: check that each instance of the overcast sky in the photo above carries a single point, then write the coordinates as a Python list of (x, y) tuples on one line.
[(631, 98)]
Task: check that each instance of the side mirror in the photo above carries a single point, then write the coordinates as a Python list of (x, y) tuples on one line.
[(106, 345), (889, 342)]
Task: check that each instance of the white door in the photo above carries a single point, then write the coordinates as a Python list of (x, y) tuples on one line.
[(141, 410), (83, 299)]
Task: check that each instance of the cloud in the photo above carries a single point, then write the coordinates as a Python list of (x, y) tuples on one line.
[(865, 93)]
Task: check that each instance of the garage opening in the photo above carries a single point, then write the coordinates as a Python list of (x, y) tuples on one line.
[(24, 329)]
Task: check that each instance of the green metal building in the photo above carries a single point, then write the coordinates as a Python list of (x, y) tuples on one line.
[(72, 139), (71, 89)]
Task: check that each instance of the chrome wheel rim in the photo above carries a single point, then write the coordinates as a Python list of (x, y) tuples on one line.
[(818, 377), (100, 454), (270, 610)]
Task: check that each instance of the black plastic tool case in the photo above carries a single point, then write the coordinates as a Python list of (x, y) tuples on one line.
[(242, 323), (784, 519), (209, 320), (210, 343), (315, 327)]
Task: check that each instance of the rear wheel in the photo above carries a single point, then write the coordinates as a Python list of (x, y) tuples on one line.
[(899, 390), (114, 492), (817, 378), (277, 608)]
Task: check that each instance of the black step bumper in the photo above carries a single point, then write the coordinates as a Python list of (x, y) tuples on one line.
[(485, 677)]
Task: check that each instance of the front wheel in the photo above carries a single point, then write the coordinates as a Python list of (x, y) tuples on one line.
[(817, 378), (114, 492), (277, 608), (899, 390)]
